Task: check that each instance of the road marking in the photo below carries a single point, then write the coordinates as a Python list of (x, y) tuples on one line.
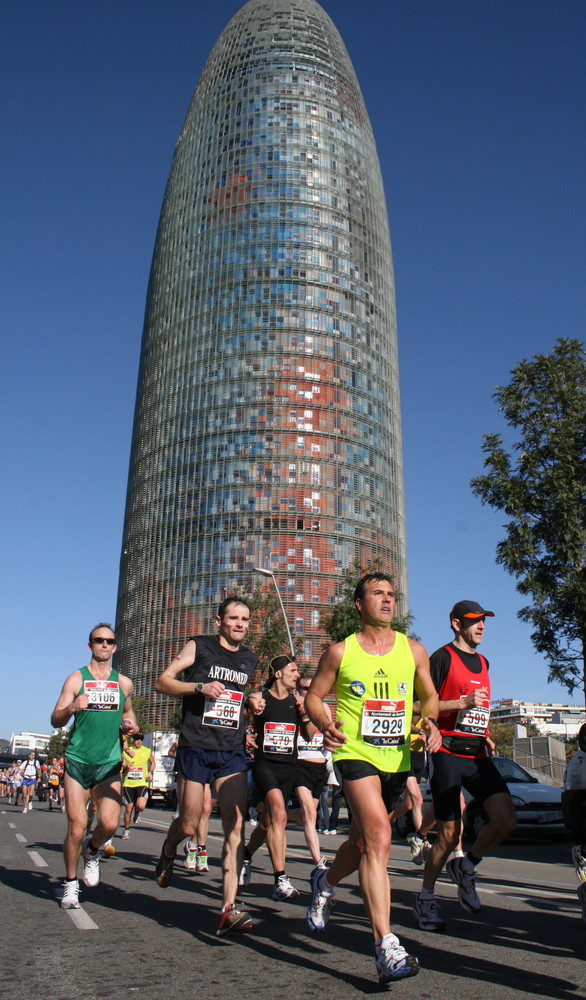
[(38, 860), (82, 920), (21, 837), (12, 826)]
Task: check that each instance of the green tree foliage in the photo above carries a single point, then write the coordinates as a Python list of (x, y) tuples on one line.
[(540, 485), (57, 745), (268, 633), (141, 710), (343, 618)]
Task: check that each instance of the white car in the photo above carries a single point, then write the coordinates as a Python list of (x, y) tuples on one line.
[(538, 806)]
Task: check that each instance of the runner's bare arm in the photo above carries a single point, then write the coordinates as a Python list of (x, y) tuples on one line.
[(169, 683), (69, 702), (427, 695), (321, 685)]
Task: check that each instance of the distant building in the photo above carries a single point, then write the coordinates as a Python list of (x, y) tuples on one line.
[(267, 429), (553, 719), (23, 743)]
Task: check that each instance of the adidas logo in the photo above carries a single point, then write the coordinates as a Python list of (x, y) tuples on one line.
[(380, 673)]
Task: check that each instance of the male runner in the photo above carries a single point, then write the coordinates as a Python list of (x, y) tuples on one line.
[(460, 676), (100, 699), (211, 745), (138, 765), (375, 674), (29, 773)]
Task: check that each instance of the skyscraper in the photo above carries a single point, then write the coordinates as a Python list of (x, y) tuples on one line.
[(267, 426)]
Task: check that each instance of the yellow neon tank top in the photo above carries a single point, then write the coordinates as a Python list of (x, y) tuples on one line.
[(374, 699)]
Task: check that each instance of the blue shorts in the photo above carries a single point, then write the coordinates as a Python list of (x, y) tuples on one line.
[(206, 766), (28, 782)]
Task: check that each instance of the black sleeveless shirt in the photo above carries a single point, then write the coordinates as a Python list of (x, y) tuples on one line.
[(277, 729), (216, 723)]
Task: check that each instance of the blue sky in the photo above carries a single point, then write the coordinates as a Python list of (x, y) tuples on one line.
[(477, 108)]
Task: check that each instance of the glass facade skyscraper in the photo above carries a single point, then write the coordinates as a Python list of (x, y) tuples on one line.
[(267, 427)]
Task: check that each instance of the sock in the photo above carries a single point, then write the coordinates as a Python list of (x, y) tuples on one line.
[(278, 875), (191, 846), (459, 854), (426, 894), (472, 862), (378, 944), (71, 879), (202, 848), (247, 855)]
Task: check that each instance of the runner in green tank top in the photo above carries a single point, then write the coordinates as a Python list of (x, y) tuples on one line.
[(376, 673), (100, 699)]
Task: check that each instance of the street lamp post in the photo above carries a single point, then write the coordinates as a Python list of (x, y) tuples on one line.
[(268, 572)]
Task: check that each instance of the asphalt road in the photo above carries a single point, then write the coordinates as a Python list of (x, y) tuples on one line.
[(132, 938)]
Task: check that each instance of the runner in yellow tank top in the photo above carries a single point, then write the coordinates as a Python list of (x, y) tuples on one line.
[(376, 675)]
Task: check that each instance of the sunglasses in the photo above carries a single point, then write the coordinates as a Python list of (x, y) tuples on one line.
[(100, 642)]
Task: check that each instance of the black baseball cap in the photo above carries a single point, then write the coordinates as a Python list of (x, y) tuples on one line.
[(470, 610)]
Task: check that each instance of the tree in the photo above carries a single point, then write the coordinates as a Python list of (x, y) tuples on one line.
[(343, 619), (541, 487), (57, 745), (268, 633), (141, 710)]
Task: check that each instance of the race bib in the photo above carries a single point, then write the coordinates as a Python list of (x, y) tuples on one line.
[(472, 721), (316, 742), (279, 737), (224, 711), (135, 774), (104, 696), (383, 723)]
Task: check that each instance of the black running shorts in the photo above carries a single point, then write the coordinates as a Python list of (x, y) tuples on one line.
[(448, 774)]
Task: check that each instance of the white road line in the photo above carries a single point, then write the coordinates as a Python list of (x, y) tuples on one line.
[(12, 826), (38, 860), (82, 920), (21, 837)]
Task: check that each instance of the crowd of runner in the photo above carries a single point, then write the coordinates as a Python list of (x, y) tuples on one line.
[(397, 715)]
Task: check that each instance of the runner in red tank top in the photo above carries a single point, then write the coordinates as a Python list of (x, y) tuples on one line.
[(460, 675)]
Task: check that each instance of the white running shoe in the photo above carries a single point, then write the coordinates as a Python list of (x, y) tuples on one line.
[(91, 864), (428, 915), (30, 805), (579, 863), (465, 881), (190, 856), (322, 900), (125, 834), (245, 872), (70, 897), (201, 863), (393, 962), (284, 890)]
